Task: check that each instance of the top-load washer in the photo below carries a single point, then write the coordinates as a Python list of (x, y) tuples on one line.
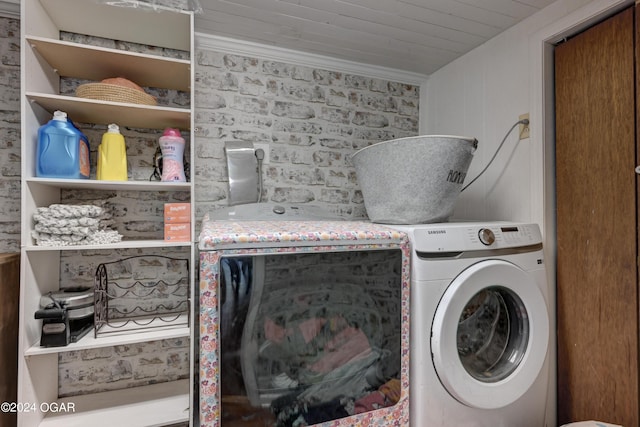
[(479, 325)]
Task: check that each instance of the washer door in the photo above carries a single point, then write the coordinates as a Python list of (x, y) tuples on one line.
[(490, 334)]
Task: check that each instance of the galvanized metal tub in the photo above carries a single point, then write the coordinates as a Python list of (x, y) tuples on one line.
[(414, 180)]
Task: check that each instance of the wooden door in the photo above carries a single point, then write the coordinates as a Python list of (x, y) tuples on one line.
[(596, 225)]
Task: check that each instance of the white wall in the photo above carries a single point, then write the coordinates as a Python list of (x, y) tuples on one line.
[(482, 95)]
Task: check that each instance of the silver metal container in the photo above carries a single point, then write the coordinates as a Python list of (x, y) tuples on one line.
[(414, 180)]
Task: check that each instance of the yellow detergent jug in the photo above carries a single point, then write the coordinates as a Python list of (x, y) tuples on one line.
[(112, 156)]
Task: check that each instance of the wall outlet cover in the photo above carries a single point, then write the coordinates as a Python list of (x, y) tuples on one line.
[(524, 129)]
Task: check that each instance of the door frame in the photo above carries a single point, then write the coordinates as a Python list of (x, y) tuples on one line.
[(542, 89)]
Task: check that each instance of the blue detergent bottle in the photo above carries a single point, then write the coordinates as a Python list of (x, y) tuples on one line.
[(62, 150)]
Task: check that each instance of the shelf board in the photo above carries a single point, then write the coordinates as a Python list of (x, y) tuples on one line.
[(92, 184), (98, 63), (149, 406), (125, 244), (155, 25), (89, 341), (82, 110), (164, 29)]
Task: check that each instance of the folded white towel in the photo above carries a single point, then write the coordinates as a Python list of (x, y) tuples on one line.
[(71, 211), (100, 237), (64, 225)]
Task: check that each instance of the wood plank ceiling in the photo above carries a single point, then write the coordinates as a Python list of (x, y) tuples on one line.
[(417, 36)]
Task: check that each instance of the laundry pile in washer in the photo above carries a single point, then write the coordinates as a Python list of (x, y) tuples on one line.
[(321, 347), (65, 225), (344, 379)]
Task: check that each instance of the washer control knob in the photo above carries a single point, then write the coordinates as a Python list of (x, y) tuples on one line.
[(486, 236)]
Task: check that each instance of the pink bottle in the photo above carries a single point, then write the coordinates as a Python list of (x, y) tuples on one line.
[(172, 147)]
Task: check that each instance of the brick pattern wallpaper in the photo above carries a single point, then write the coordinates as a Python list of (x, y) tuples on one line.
[(311, 120), (9, 135), (123, 366)]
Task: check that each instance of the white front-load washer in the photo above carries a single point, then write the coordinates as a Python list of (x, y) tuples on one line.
[(479, 325)]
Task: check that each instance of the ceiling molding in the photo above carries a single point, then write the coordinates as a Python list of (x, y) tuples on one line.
[(10, 9), (289, 56)]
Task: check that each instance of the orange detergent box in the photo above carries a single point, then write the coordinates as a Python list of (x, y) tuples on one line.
[(178, 232), (177, 212)]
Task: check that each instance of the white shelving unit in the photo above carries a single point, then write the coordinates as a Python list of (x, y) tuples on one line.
[(45, 60)]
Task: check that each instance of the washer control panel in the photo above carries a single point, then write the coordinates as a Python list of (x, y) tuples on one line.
[(486, 236), (451, 237)]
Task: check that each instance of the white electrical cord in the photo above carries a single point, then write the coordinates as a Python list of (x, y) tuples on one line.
[(523, 122)]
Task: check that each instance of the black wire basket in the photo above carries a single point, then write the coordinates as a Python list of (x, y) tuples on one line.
[(141, 293)]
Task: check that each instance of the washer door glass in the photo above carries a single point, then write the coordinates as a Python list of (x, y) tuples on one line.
[(493, 333), (490, 334)]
